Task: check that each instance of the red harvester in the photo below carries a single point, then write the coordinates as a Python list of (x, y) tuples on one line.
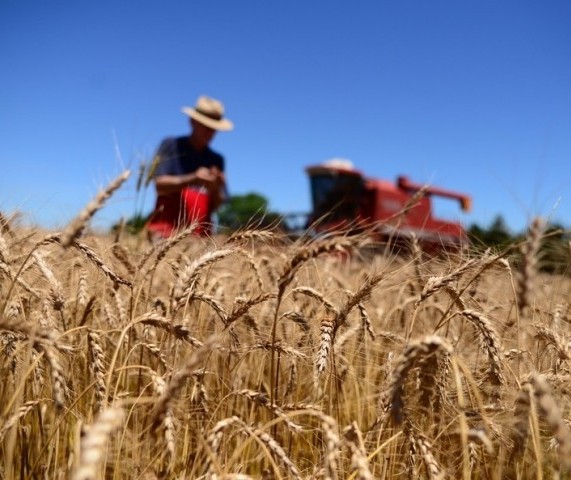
[(343, 198)]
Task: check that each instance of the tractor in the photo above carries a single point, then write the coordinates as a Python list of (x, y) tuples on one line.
[(345, 200)]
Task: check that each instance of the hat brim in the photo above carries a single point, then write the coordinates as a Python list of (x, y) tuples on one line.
[(222, 125)]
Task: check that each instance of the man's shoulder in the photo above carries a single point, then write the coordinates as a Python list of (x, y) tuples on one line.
[(169, 145), (215, 159), (213, 153)]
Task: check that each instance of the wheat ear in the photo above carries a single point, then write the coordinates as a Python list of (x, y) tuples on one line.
[(554, 418), (433, 468), (278, 451), (353, 438), (121, 254), (4, 249), (213, 440), (97, 368), (329, 326), (312, 293), (168, 422), (242, 306), (528, 273), (551, 337), (491, 343), (308, 252), (520, 432), (179, 331), (186, 280), (94, 442), (56, 289), (412, 354), (43, 341), (241, 236), (332, 444), (77, 225), (17, 416)]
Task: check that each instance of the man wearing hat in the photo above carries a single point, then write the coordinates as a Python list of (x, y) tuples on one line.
[(189, 176)]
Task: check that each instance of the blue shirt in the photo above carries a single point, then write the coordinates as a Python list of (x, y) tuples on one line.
[(176, 156)]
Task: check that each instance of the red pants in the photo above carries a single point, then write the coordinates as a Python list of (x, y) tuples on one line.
[(178, 211)]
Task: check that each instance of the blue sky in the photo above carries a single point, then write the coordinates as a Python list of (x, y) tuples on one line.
[(473, 96)]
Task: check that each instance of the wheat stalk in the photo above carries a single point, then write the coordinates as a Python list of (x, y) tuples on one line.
[(262, 399), (176, 382)]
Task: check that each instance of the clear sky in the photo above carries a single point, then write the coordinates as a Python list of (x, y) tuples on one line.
[(474, 96)]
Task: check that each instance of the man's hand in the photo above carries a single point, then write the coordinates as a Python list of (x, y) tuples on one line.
[(211, 178), (218, 188)]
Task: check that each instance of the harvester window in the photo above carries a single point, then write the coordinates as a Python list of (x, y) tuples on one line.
[(336, 196)]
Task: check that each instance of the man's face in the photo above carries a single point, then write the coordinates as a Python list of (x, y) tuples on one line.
[(202, 133)]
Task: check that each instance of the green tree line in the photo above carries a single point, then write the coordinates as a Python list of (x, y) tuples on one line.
[(554, 254)]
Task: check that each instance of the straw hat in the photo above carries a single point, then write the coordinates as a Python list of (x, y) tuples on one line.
[(209, 112)]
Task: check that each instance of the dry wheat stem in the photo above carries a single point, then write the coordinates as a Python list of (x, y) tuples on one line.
[(261, 399), (176, 382)]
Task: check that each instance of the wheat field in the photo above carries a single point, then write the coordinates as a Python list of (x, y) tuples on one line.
[(257, 356)]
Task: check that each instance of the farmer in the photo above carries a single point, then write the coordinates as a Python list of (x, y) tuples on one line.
[(188, 175)]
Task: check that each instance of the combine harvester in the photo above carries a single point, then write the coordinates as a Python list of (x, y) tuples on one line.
[(345, 200)]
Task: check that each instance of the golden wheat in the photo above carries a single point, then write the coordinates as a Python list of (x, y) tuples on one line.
[(252, 356)]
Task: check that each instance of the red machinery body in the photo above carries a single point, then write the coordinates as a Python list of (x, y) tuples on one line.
[(344, 199)]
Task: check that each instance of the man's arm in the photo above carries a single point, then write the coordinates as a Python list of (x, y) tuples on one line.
[(167, 184), (218, 190)]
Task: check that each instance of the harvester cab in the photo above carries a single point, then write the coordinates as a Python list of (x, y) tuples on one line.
[(344, 199)]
